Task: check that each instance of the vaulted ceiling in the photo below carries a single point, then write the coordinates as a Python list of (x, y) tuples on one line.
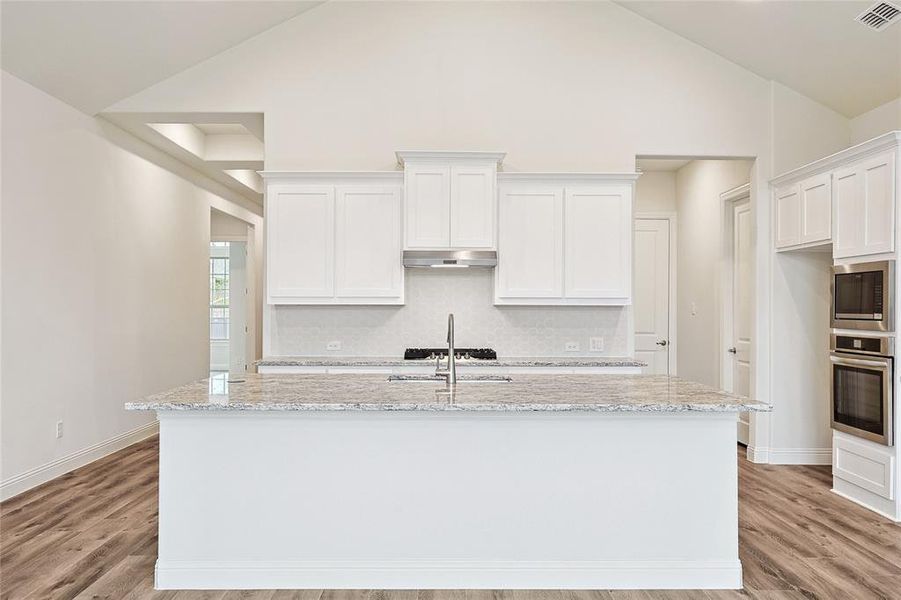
[(93, 54), (814, 47)]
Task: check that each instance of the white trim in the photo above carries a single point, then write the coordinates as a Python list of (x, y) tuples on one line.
[(790, 456), (877, 144), (421, 574), (728, 200), (800, 456), (672, 329), (869, 501), (332, 176), (737, 193), (23, 482), (758, 455), (443, 155), (228, 238), (567, 177)]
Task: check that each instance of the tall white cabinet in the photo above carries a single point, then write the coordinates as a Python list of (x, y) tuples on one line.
[(564, 239), (451, 199), (334, 239)]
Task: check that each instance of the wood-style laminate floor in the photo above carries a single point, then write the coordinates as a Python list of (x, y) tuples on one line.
[(92, 534)]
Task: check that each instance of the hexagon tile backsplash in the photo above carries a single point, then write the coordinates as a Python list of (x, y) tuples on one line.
[(422, 322)]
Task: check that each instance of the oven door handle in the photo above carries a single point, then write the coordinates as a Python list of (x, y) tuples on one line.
[(859, 362)]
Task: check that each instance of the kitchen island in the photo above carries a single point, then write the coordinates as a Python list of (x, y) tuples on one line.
[(548, 481)]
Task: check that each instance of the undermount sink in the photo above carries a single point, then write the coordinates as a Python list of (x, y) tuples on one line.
[(442, 379)]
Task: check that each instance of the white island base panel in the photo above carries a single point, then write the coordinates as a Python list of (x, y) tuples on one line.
[(438, 500)]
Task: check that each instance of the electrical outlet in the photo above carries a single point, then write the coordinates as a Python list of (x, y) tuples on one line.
[(334, 345), (596, 344), (59, 429), (571, 347)]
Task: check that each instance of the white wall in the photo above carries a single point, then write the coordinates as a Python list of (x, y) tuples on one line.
[(655, 191), (582, 86), (881, 119), (699, 257), (105, 295), (804, 130), (801, 430), (226, 228)]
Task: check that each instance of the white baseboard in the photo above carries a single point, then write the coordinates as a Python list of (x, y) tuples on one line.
[(175, 575), (758, 455), (790, 456), (34, 477), (866, 499)]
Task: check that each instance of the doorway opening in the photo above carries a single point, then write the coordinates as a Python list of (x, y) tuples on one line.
[(231, 301), (686, 320)]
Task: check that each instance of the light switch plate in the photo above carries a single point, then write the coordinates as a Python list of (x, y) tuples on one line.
[(334, 345), (596, 344), (571, 347)]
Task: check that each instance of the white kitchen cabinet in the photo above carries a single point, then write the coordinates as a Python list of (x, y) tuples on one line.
[(864, 200), (598, 242), (334, 243), (450, 199), (788, 216), (804, 213), (564, 242), (300, 242), (428, 201), (816, 209), (530, 254), (472, 206), (368, 242)]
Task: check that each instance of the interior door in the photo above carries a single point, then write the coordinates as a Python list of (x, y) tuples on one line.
[(739, 352), (652, 294)]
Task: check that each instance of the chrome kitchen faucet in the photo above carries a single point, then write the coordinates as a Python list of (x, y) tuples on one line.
[(450, 373)]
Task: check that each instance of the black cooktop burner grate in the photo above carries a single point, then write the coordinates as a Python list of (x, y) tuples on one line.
[(427, 353)]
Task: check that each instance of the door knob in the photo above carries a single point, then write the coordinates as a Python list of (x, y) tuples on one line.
[(733, 350), (662, 343)]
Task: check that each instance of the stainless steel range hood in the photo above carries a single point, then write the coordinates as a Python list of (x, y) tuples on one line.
[(450, 258)]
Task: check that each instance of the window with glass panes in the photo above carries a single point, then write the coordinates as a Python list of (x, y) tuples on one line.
[(219, 293)]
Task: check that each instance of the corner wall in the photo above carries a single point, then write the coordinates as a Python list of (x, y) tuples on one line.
[(881, 119), (105, 292)]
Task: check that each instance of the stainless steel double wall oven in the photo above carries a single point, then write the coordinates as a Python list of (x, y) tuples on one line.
[(863, 363)]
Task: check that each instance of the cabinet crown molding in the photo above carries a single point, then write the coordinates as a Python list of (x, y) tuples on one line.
[(569, 177), (330, 175), (444, 155), (877, 144)]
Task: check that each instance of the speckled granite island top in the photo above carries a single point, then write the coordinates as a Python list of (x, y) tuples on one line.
[(389, 361), (526, 393)]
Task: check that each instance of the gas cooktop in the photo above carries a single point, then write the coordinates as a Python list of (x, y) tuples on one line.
[(461, 353)]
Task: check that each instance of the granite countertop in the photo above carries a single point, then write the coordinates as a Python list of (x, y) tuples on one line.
[(526, 393), (391, 361)]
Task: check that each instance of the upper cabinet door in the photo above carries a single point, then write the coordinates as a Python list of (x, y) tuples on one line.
[(428, 206), (598, 243), (878, 186), (864, 207), (847, 239), (300, 223), (368, 242), (472, 206), (816, 209), (530, 244), (788, 216)]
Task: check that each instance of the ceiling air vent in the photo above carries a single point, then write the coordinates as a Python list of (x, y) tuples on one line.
[(880, 15)]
